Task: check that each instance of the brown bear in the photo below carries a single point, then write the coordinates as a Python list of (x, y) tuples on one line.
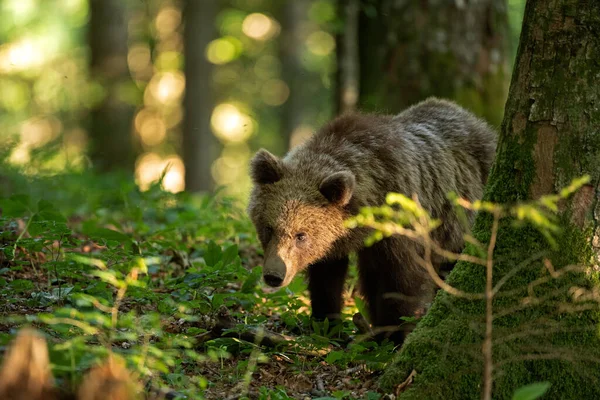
[(299, 203)]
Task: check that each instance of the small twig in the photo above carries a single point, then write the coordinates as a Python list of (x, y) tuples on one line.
[(488, 366), (23, 232), (407, 382), (514, 271)]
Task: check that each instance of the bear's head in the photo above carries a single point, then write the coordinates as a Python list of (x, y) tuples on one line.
[(298, 213)]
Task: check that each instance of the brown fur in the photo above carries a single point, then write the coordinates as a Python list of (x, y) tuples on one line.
[(298, 203)]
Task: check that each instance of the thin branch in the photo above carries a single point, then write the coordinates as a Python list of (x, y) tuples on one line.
[(514, 271), (488, 366)]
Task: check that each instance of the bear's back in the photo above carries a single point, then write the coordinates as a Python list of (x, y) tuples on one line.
[(430, 149)]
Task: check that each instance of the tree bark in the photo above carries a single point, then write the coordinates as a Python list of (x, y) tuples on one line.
[(111, 119), (293, 36), (200, 147), (347, 74), (549, 136), (410, 50)]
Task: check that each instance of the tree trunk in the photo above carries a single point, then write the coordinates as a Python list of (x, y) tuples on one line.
[(293, 36), (347, 73), (200, 147), (549, 136), (111, 119), (410, 50)]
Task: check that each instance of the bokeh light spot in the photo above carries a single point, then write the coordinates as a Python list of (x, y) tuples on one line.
[(223, 50), (150, 167), (231, 125), (150, 127), (320, 43), (167, 20), (231, 168), (37, 132), (167, 88), (138, 57), (275, 92), (20, 56), (260, 27)]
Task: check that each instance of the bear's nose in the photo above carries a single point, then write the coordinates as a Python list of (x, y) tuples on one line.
[(273, 280)]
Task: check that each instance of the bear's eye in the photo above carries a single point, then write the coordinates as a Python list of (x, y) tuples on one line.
[(301, 237), (268, 233)]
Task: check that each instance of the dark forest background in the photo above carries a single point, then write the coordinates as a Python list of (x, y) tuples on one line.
[(198, 86)]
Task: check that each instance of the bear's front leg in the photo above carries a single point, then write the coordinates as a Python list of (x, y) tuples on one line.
[(326, 286), (394, 285)]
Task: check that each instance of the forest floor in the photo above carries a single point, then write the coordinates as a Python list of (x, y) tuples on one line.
[(172, 284)]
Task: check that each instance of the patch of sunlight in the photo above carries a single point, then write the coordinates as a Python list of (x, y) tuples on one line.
[(167, 20), (78, 11), (37, 132), (223, 50), (138, 57), (19, 11), (20, 56), (320, 43), (165, 88), (150, 167), (150, 127), (20, 155), (230, 124), (34, 133), (15, 95), (260, 27), (231, 169)]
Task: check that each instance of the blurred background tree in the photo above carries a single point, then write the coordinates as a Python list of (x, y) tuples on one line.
[(410, 50), (111, 117), (102, 84), (199, 144)]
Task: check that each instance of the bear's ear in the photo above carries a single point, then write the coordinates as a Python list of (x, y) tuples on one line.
[(338, 188), (265, 168)]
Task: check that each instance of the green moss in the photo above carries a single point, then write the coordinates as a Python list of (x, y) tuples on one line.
[(445, 349)]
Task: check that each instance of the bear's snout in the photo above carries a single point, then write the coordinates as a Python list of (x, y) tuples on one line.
[(273, 280), (274, 271)]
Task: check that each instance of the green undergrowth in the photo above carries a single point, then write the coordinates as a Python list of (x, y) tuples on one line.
[(545, 326), (100, 267)]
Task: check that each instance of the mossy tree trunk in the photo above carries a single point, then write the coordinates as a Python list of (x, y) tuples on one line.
[(111, 120), (549, 136), (410, 50)]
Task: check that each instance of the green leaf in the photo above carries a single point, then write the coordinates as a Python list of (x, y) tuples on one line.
[(532, 391), (361, 305), (15, 206), (316, 327), (229, 255), (108, 234), (213, 254), (334, 356), (252, 280)]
